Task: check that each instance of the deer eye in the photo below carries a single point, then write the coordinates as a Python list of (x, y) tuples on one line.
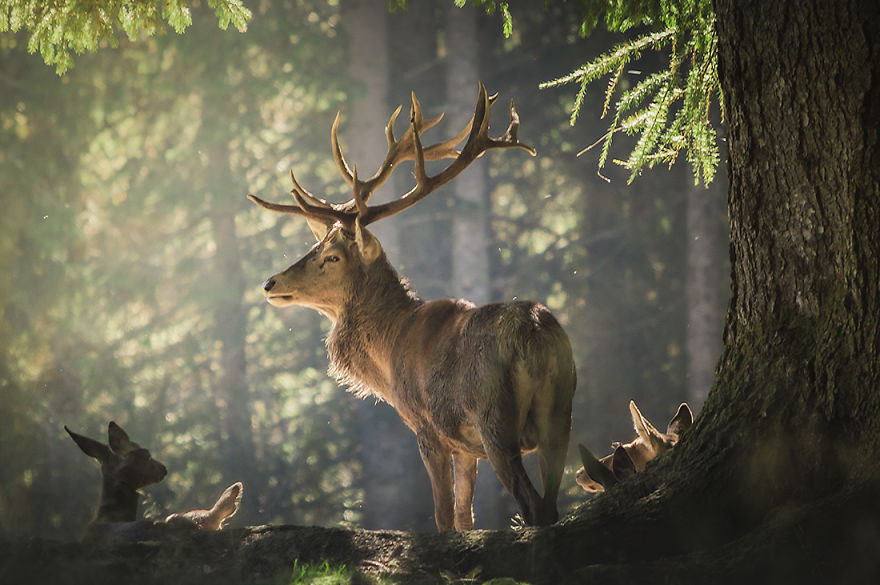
[(331, 259)]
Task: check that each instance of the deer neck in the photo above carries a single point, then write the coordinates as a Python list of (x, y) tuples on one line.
[(118, 503), (369, 323)]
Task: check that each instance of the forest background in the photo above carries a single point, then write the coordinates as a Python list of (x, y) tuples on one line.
[(132, 262)]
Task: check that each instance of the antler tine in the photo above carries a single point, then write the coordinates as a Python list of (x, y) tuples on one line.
[(280, 208), (343, 167), (416, 112), (420, 173), (510, 136), (478, 142), (305, 194), (329, 215), (360, 200), (389, 128)]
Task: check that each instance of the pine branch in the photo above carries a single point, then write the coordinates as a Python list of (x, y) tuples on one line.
[(679, 98)]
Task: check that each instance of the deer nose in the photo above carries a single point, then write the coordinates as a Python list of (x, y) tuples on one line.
[(267, 286)]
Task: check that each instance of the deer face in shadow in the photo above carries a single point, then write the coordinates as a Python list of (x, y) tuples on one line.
[(125, 468)]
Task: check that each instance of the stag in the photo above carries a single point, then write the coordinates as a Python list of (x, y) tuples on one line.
[(489, 382)]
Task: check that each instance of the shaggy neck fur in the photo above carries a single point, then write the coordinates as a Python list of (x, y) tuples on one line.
[(370, 320)]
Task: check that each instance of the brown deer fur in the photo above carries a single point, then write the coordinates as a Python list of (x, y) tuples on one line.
[(471, 382), (215, 518)]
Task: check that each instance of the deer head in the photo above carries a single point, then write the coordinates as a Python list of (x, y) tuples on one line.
[(125, 468), (321, 279), (599, 474)]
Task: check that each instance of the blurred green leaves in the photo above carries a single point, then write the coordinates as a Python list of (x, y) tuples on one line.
[(60, 28)]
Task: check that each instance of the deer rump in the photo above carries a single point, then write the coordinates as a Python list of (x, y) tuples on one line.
[(464, 373)]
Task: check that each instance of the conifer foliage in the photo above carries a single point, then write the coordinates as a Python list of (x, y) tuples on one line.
[(668, 110), (60, 28)]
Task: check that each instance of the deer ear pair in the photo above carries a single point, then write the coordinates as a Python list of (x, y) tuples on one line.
[(367, 244), (118, 443), (621, 467)]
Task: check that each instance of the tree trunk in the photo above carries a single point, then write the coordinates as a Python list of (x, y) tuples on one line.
[(230, 330), (801, 362), (388, 453)]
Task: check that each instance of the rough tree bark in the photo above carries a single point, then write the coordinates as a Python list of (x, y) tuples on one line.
[(801, 361)]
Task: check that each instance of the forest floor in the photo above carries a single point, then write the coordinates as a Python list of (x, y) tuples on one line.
[(836, 540)]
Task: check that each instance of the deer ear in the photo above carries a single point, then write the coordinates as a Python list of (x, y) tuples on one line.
[(682, 421), (646, 430), (595, 469), (90, 447), (621, 464), (228, 502), (319, 228), (119, 440), (369, 246)]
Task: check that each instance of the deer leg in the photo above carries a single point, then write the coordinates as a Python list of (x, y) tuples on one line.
[(551, 459), (554, 427), (504, 455), (465, 467), (437, 462)]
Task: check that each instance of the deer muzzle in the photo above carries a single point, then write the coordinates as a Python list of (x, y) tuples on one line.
[(277, 298)]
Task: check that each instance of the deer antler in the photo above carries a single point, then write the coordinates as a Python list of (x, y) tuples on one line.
[(409, 147)]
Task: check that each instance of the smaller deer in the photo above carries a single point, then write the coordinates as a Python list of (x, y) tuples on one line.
[(125, 468), (627, 459), (215, 518)]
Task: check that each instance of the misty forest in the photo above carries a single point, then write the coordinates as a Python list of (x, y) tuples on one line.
[(702, 218)]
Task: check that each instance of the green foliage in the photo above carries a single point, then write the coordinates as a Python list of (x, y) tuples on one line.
[(670, 110), (493, 6), (303, 574), (63, 27)]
